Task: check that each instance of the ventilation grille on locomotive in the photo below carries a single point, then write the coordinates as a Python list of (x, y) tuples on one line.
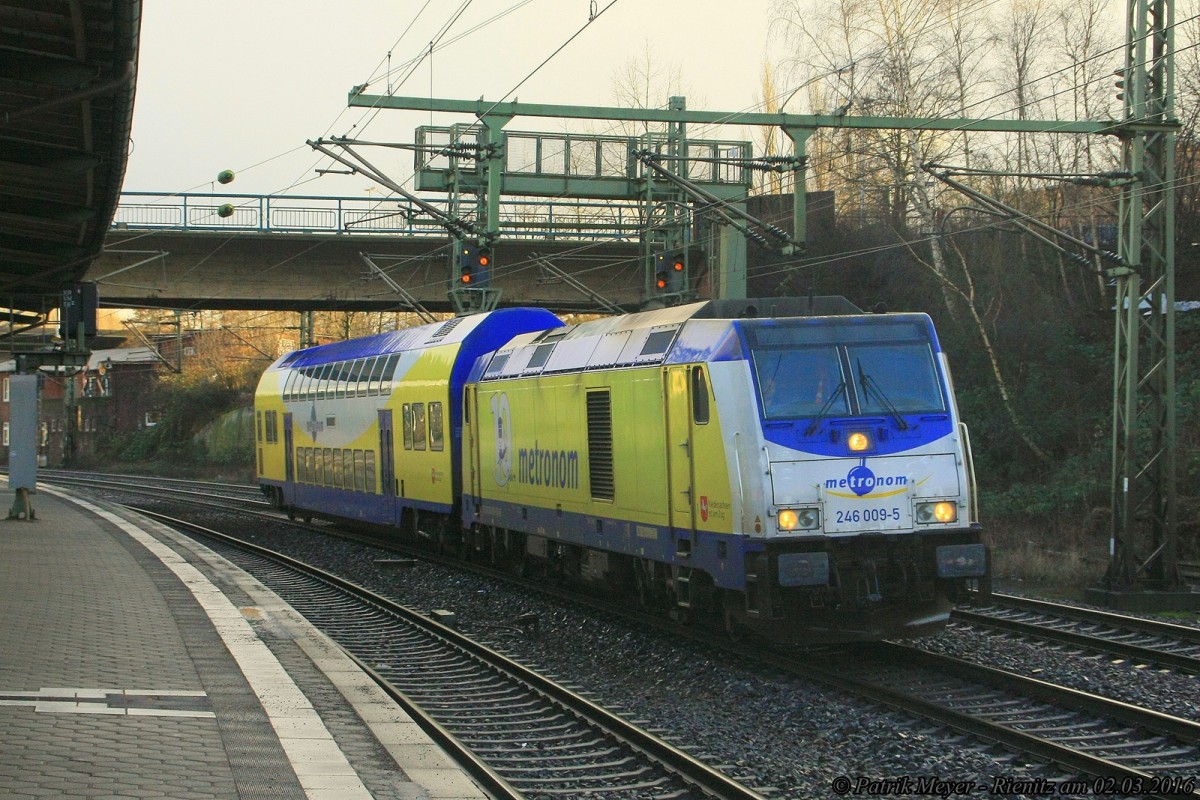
[(600, 445)]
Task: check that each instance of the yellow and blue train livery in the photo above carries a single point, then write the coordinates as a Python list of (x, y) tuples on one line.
[(806, 477), (368, 429)]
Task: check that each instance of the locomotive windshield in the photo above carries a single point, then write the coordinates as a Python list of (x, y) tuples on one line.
[(841, 369)]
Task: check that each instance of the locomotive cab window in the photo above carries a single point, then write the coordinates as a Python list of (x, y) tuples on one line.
[(883, 368), (895, 377), (801, 382)]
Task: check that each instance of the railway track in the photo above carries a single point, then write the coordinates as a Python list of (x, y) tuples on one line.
[(538, 737), (1140, 641), (1118, 748), (176, 488), (1123, 749)]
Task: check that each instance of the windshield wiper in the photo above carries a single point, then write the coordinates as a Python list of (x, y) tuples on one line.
[(824, 411), (869, 384)]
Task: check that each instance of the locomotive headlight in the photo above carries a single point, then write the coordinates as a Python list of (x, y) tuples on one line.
[(805, 519), (857, 442), (928, 513)]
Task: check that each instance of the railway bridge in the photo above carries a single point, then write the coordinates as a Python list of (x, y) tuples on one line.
[(313, 253)]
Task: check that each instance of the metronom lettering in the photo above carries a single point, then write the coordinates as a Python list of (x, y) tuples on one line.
[(555, 468), (866, 481)]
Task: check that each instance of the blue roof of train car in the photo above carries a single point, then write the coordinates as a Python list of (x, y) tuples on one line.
[(479, 333)]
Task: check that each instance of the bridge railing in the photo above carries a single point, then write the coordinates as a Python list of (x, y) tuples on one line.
[(528, 218)]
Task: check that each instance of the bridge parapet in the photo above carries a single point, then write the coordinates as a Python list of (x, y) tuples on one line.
[(527, 219)]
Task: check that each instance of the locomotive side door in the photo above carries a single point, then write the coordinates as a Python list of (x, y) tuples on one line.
[(473, 490), (387, 463), (679, 449), (289, 460)]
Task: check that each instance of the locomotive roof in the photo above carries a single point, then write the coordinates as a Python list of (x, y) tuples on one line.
[(697, 331)]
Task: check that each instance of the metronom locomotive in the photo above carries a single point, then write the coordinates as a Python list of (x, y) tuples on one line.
[(790, 467)]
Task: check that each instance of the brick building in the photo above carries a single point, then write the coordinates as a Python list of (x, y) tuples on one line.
[(112, 395)]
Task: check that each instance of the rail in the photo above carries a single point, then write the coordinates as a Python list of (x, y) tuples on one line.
[(530, 219)]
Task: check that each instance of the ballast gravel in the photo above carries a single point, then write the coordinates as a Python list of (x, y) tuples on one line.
[(785, 736)]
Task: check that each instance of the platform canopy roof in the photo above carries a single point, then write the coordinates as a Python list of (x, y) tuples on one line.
[(68, 71)]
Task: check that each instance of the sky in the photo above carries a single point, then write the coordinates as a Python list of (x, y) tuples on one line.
[(241, 84)]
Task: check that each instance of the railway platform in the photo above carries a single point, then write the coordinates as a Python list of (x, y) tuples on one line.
[(136, 663)]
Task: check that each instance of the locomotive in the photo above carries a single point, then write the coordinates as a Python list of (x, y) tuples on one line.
[(790, 467)]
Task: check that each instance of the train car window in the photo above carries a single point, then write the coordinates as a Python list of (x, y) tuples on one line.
[(258, 426), (319, 467), (699, 396), (369, 470), (895, 377), (337, 381), (327, 457), (301, 385), (323, 382), (360, 472), (364, 376), (418, 426), (406, 414), (353, 375), (336, 471), (376, 376), (272, 427), (310, 465), (435, 426), (299, 456), (312, 374), (388, 385), (289, 384)]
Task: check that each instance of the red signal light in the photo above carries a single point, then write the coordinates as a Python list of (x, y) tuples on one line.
[(660, 280), (484, 259), (678, 265)]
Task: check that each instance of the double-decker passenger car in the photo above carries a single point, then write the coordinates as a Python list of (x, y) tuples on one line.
[(801, 475)]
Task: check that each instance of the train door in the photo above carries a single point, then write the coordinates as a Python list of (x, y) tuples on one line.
[(473, 488), (289, 460), (679, 451), (387, 464)]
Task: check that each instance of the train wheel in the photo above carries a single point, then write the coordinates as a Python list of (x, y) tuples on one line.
[(644, 578), (291, 513), (733, 626)]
